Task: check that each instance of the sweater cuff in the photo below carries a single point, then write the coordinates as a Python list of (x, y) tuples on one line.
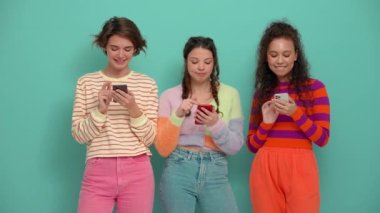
[(177, 121), (297, 114), (98, 116), (217, 127), (266, 126), (139, 121)]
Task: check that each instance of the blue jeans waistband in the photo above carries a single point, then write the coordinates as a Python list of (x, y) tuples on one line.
[(198, 155)]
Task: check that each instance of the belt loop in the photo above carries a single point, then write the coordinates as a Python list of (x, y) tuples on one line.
[(189, 155)]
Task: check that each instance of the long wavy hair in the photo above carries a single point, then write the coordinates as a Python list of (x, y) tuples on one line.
[(266, 81), (205, 43)]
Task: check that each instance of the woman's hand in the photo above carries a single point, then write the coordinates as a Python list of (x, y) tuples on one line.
[(269, 112), (285, 107), (105, 97), (128, 101), (206, 117), (185, 107)]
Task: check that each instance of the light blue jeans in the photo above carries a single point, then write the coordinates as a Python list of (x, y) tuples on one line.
[(196, 177)]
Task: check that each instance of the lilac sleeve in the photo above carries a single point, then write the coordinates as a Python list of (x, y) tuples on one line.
[(228, 138)]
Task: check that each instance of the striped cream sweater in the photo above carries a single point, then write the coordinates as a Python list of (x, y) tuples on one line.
[(115, 134)]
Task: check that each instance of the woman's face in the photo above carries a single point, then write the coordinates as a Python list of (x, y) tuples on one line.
[(200, 64), (120, 51), (281, 56)]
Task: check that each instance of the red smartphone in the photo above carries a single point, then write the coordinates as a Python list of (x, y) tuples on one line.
[(203, 107), (122, 87)]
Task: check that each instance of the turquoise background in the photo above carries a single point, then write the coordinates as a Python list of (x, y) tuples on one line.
[(45, 46)]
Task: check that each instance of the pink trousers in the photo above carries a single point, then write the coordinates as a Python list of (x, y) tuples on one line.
[(126, 181)]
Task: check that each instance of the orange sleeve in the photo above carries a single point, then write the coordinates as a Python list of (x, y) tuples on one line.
[(167, 135)]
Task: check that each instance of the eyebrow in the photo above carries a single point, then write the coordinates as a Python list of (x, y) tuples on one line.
[(201, 59), (274, 51), (113, 45)]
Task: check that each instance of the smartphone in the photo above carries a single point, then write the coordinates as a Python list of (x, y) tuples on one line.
[(122, 87), (203, 107), (282, 96)]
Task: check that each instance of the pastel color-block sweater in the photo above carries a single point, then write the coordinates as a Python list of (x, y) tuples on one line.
[(225, 136)]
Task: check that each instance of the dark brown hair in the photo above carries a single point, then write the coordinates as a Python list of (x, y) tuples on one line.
[(123, 27), (266, 81), (205, 43)]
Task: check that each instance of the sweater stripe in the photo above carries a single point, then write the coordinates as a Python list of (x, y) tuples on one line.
[(115, 134), (298, 130)]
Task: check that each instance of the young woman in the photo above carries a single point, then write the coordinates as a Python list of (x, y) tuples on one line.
[(200, 123), (117, 125), (290, 112)]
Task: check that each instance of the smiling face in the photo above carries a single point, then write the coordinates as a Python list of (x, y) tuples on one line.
[(200, 64), (119, 51), (281, 56)]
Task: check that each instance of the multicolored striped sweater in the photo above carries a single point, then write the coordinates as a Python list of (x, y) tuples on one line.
[(225, 136), (298, 130), (115, 134)]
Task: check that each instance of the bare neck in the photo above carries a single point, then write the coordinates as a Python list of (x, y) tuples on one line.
[(201, 92)]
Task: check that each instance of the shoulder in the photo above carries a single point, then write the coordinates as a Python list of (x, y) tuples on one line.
[(90, 77), (315, 84), (143, 78), (227, 90), (141, 75), (173, 92)]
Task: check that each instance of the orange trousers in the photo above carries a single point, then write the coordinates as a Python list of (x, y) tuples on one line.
[(284, 180)]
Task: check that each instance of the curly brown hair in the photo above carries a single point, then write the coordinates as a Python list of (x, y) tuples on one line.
[(206, 43), (123, 27), (266, 81)]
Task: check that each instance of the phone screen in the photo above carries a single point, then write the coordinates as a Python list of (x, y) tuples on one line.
[(122, 87)]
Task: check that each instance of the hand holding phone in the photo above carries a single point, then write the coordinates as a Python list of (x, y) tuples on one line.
[(203, 108), (287, 106), (122, 87)]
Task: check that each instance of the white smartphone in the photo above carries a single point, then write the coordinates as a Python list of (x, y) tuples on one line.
[(282, 96)]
